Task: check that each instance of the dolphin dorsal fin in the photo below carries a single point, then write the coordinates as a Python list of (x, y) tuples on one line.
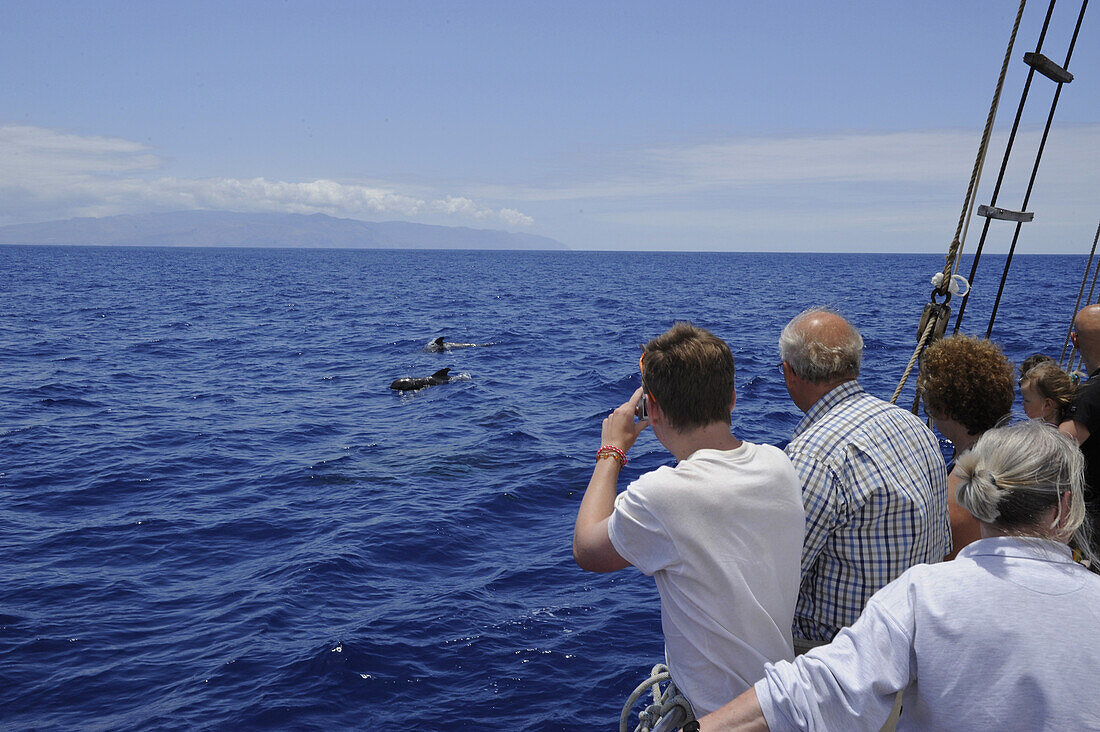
[(438, 341), (441, 374)]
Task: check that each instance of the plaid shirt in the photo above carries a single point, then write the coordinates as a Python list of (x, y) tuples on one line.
[(874, 485)]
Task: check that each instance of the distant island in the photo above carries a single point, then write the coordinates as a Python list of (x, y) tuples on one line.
[(227, 229)]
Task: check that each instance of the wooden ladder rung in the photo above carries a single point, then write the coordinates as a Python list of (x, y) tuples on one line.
[(993, 212), (1047, 68)]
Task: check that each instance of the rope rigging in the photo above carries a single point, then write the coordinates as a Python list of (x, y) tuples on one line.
[(1005, 159), (1035, 167), (1077, 306), (935, 312), (933, 319)]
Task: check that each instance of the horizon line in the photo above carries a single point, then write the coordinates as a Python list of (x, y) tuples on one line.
[(567, 249)]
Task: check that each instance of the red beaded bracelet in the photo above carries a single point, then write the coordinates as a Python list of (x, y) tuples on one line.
[(612, 451)]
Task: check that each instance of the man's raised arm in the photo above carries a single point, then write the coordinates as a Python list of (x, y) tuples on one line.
[(592, 547)]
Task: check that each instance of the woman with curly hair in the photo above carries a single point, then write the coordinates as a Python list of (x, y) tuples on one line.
[(967, 386), (1048, 392)]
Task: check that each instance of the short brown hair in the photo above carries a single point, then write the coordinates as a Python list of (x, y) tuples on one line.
[(689, 371), (968, 380)]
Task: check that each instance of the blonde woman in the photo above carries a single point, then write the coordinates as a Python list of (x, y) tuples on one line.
[(1047, 392)]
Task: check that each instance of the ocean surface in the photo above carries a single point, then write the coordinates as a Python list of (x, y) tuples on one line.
[(215, 514)]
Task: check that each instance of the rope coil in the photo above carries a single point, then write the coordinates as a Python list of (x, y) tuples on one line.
[(668, 704)]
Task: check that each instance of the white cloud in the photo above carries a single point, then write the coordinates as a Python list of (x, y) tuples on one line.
[(856, 188), (936, 158), (513, 217), (259, 194), (46, 174), (36, 152), (465, 207), (899, 191), (918, 157)]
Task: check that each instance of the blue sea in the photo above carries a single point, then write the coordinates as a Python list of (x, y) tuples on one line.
[(215, 514)]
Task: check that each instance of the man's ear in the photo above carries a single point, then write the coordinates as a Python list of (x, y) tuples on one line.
[(656, 416), (788, 372), (733, 402)]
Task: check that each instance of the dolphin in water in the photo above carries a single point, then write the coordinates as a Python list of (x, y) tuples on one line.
[(414, 383), (439, 345)]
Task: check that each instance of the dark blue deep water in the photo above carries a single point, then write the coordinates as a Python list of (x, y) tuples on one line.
[(214, 513)]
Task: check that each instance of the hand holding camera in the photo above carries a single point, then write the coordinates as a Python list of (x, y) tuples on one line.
[(619, 428)]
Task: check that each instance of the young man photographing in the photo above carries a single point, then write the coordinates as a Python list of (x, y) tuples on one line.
[(720, 533)]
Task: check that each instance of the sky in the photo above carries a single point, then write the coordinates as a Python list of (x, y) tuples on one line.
[(690, 125)]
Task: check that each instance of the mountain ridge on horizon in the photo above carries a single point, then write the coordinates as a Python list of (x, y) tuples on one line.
[(281, 230)]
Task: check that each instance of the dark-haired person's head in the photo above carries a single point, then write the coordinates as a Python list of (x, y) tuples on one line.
[(689, 372), (1034, 360), (968, 380)]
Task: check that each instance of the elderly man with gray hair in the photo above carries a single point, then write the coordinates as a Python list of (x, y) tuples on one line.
[(874, 483)]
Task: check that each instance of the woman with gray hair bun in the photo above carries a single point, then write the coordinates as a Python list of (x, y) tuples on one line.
[(1003, 637), (1023, 476)]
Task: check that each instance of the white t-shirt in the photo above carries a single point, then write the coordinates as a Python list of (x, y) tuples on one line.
[(721, 534)]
